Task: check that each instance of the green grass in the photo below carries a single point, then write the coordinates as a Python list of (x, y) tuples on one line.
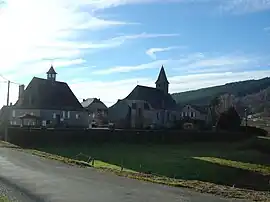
[(221, 168), (4, 199)]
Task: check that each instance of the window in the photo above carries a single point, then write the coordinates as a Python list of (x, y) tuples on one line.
[(146, 106), (54, 115), (13, 113), (133, 106), (186, 114), (182, 114), (77, 116), (32, 113), (158, 116), (190, 114), (64, 114), (68, 114)]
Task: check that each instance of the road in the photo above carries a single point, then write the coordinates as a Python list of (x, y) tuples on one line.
[(48, 180)]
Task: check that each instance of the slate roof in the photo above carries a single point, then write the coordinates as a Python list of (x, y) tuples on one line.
[(155, 97), (45, 94), (162, 76), (86, 103), (201, 108), (51, 71)]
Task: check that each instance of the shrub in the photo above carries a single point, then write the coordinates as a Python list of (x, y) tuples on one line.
[(229, 120), (254, 131)]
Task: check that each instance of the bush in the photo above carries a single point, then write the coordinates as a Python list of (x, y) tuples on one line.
[(229, 120), (254, 131)]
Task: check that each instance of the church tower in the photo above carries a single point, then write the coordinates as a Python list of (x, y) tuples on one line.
[(162, 82), (51, 74)]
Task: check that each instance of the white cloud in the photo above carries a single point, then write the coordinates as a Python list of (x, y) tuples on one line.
[(122, 69), (195, 62), (152, 51), (245, 6), (36, 30), (220, 61)]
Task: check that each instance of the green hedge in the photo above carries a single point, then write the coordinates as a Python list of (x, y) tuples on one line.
[(43, 137), (254, 131)]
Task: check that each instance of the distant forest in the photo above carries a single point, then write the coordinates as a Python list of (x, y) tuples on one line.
[(253, 93)]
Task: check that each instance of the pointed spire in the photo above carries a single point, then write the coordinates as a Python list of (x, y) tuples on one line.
[(51, 74), (162, 76), (51, 70)]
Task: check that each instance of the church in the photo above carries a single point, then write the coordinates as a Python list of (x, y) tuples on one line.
[(145, 106)]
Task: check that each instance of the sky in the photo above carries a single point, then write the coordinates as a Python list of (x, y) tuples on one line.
[(104, 48)]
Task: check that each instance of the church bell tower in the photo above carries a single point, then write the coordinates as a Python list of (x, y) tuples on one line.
[(162, 82)]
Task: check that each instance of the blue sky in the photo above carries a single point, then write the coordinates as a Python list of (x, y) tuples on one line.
[(104, 48)]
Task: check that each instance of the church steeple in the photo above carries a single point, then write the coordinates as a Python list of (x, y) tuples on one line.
[(51, 74), (162, 82)]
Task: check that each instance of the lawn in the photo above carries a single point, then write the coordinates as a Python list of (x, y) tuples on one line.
[(207, 167), (4, 199)]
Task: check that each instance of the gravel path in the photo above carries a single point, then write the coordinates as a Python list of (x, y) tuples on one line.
[(11, 193)]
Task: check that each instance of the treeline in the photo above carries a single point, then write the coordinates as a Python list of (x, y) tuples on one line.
[(205, 95)]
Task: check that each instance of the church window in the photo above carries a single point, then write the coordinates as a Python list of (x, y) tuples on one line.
[(146, 106), (134, 106)]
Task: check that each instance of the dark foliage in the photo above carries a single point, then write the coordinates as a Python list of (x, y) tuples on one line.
[(205, 95), (253, 131), (41, 137), (229, 120)]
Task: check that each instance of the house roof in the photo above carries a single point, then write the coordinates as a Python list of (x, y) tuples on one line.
[(155, 97), (51, 71), (45, 94), (89, 101), (162, 76), (201, 108), (29, 116)]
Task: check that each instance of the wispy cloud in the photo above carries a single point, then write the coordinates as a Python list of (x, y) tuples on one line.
[(43, 36), (245, 6), (192, 63), (122, 69), (152, 51), (267, 29), (220, 61)]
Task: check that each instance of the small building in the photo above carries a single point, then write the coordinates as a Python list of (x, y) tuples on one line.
[(48, 103), (148, 105), (197, 114), (120, 114), (97, 110)]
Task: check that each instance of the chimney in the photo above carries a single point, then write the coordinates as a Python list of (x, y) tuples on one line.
[(21, 90), (84, 100)]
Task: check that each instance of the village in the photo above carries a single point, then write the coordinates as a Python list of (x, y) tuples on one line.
[(49, 103)]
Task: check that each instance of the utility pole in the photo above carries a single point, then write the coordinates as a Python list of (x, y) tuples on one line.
[(8, 114), (8, 93)]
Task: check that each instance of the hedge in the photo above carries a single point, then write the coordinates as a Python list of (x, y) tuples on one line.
[(43, 137)]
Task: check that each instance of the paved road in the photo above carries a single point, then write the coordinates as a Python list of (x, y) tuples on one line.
[(54, 181)]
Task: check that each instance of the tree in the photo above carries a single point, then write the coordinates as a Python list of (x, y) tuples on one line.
[(229, 120), (214, 104)]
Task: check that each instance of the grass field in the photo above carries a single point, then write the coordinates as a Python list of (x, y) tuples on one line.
[(4, 199), (196, 165)]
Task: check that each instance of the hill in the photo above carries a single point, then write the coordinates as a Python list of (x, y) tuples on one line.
[(252, 93)]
